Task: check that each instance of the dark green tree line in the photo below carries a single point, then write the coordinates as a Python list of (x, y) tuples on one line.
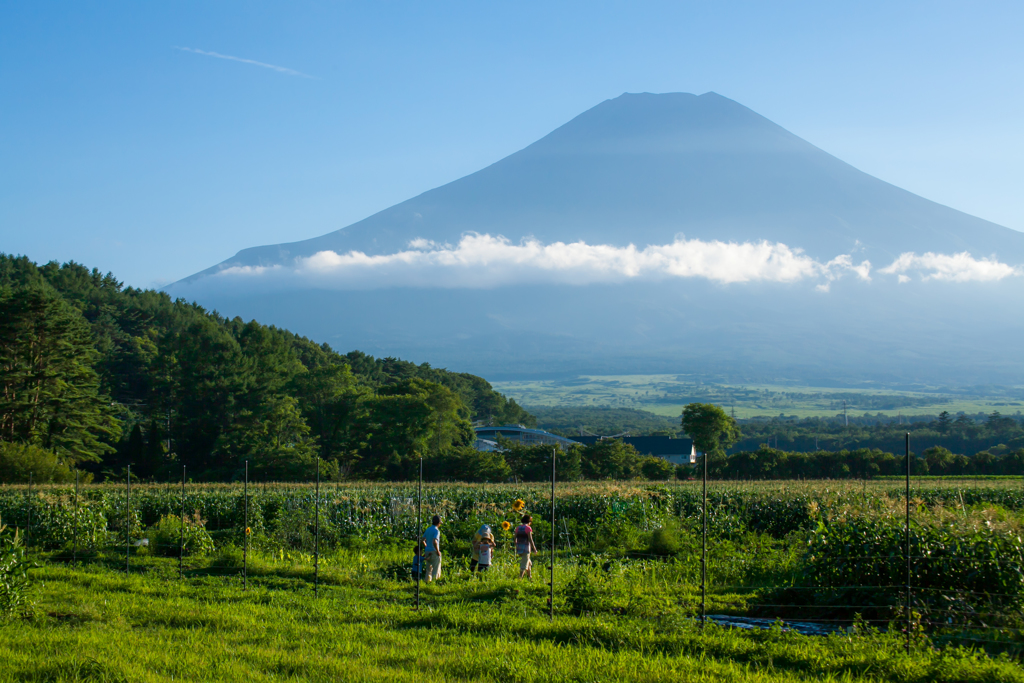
[(105, 376)]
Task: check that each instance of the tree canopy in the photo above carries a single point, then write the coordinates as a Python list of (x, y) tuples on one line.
[(104, 376)]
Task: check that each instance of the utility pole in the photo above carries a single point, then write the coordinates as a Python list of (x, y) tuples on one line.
[(845, 418)]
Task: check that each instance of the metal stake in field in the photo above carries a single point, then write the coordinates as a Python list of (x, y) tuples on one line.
[(181, 540), (704, 543), (907, 531), (128, 520), (551, 598), (28, 525), (419, 505), (74, 552), (316, 535), (245, 518)]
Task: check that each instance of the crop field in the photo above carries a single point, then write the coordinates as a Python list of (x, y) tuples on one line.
[(667, 394), (293, 586)]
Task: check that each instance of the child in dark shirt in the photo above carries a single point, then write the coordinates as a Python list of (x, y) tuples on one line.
[(417, 563)]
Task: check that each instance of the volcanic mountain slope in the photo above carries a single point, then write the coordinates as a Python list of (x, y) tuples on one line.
[(642, 168), (793, 261)]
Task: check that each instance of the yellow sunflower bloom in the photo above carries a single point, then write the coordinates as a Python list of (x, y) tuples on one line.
[(248, 531), (505, 526), (519, 505)]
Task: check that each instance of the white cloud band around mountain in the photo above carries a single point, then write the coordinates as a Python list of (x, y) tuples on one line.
[(481, 261), (484, 261), (961, 267)]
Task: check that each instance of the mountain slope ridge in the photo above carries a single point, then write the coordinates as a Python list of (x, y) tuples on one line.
[(645, 169), (642, 168)]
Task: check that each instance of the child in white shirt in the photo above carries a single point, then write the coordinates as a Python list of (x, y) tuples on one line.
[(486, 551)]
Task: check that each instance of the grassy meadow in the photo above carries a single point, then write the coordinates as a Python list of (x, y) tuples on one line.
[(92, 623), (627, 599)]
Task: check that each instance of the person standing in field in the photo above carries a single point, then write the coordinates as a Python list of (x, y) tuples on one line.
[(432, 541), (482, 534), (525, 546), (486, 549), (417, 562)]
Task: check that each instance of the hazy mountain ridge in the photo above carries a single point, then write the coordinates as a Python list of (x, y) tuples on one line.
[(644, 170)]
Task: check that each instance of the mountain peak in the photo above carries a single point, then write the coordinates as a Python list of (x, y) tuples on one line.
[(665, 119), (643, 168), (666, 231)]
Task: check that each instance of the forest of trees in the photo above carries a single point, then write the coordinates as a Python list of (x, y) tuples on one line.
[(96, 376), (962, 434), (864, 463)]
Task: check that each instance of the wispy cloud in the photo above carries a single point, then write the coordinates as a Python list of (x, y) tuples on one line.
[(481, 261), (279, 69), (960, 267)]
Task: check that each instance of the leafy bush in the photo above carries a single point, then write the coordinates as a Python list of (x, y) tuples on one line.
[(656, 469), (619, 535), (582, 593), (468, 464), (18, 461), (665, 540), (166, 536)]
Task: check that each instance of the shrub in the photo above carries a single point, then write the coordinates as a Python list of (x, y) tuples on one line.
[(468, 464), (582, 593), (656, 469), (165, 537), (665, 540), (18, 461)]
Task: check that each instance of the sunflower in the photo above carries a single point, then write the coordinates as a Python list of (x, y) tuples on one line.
[(519, 505), (505, 526), (248, 531)]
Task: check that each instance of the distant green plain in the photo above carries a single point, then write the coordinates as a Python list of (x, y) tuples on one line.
[(667, 394)]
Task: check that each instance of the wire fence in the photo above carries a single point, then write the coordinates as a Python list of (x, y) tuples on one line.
[(963, 591)]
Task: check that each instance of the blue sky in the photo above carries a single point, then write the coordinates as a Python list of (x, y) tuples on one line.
[(125, 152)]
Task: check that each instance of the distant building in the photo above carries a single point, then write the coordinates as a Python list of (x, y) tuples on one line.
[(676, 451), (486, 436), (486, 445)]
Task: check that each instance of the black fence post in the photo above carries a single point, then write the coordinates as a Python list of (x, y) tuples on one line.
[(704, 543), (245, 533), (128, 520), (907, 529), (181, 539), (316, 535), (551, 598), (74, 551), (419, 520), (28, 524)]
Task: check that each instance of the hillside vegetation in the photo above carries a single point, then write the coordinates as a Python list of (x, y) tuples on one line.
[(98, 376)]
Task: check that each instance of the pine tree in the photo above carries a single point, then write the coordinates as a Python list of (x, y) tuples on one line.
[(49, 392)]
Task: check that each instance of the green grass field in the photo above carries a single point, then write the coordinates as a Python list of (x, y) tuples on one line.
[(667, 394), (95, 624), (627, 591)]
